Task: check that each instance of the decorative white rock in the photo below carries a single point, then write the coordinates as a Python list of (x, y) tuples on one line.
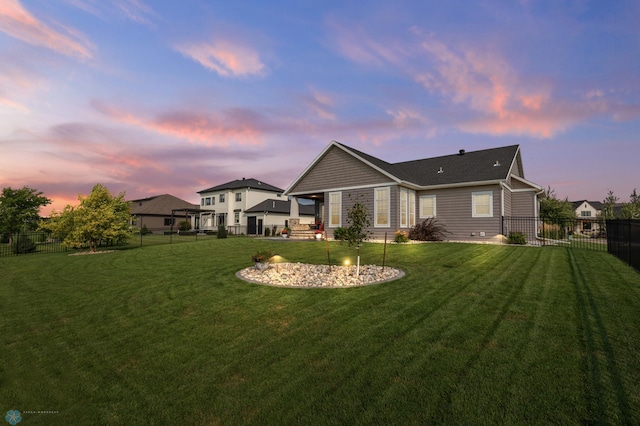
[(314, 276)]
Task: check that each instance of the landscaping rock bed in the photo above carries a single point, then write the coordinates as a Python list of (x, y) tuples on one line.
[(304, 275)]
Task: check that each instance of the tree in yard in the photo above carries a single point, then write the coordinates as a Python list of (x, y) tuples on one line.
[(19, 208), (608, 206), (99, 217), (358, 221), (631, 210), (554, 210)]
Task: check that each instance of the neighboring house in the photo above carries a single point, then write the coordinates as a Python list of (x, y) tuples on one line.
[(162, 212), (588, 215), (226, 204), (275, 214), (469, 193)]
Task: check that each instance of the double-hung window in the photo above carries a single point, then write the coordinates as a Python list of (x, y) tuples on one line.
[(407, 208), (482, 204), (382, 207), (335, 209), (427, 206)]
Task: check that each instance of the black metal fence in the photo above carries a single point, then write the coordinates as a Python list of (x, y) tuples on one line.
[(43, 242), (623, 240), (586, 233)]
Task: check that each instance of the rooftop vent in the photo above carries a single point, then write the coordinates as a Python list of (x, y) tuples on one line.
[(440, 170), (497, 164), (461, 152)]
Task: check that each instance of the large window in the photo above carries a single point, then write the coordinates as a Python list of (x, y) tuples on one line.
[(222, 198), (238, 196), (407, 208), (236, 217), (482, 204), (382, 207), (427, 206), (206, 201), (335, 209)]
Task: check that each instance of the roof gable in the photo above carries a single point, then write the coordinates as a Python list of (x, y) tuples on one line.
[(243, 183), (160, 204), (281, 207)]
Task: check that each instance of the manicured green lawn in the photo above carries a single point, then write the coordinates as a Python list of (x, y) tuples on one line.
[(473, 334)]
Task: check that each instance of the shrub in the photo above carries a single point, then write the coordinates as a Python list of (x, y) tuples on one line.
[(23, 244), (267, 232), (429, 230), (222, 232), (4, 238), (262, 256), (517, 238), (340, 234), (184, 226), (145, 231), (401, 237)]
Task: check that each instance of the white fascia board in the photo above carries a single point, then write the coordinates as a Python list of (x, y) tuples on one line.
[(526, 182), (513, 161), (462, 184), (348, 188)]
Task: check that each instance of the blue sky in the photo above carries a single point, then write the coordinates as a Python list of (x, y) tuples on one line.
[(175, 97)]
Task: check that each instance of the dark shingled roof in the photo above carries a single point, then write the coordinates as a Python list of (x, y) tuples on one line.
[(243, 183), (281, 207), (595, 204), (160, 205), (476, 166)]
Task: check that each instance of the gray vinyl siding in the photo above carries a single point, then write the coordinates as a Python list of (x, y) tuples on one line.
[(516, 184), (454, 212), (523, 204), (508, 200), (337, 169)]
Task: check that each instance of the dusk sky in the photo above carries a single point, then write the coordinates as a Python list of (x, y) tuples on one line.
[(155, 97)]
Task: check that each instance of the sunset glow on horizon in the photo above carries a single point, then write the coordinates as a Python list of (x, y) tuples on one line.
[(157, 98)]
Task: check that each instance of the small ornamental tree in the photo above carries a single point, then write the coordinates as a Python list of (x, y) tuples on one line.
[(99, 217), (19, 208), (358, 222)]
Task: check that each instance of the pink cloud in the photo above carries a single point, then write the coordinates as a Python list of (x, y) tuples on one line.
[(224, 57), (320, 103), (231, 126), (16, 21)]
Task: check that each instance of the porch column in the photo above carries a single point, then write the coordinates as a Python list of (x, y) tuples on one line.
[(294, 212)]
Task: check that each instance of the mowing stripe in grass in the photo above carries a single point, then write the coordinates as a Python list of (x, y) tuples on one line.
[(596, 344)]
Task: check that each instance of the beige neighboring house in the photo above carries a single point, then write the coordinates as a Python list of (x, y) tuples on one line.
[(162, 212), (227, 203), (588, 216), (469, 193)]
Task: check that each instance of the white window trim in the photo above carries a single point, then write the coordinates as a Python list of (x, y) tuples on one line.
[(473, 203), (412, 208), (339, 224), (375, 207), (404, 205), (426, 216)]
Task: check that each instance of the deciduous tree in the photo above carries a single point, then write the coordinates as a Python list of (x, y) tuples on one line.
[(99, 217), (19, 208), (554, 210)]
